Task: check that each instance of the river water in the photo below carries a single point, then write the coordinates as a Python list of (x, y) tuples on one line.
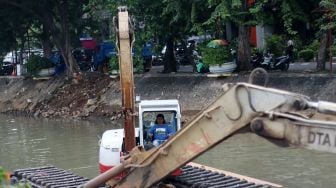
[(73, 145)]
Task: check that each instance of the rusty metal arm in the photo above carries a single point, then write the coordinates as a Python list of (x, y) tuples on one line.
[(125, 40)]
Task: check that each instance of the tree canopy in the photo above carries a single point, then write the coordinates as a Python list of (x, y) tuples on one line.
[(60, 23)]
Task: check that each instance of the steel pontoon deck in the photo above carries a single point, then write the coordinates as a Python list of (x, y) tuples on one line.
[(200, 176), (192, 176), (48, 176)]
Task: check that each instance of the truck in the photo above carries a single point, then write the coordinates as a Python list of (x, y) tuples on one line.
[(271, 113)]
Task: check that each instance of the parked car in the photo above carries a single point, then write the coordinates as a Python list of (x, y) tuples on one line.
[(199, 38), (14, 57), (10, 58), (6, 68)]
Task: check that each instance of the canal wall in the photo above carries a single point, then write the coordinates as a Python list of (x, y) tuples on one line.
[(99, 96), (22, 95)]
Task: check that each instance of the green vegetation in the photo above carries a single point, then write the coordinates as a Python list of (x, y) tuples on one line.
[(36, 63), (275, 44), (216, 56), (307, 54), (2, 176), (60, 23), (137, 64), (114, 64), (53, 23), (5, 184), (332, 50), (314, 46), (257, 50)]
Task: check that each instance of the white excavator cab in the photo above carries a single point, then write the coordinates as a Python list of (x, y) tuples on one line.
[(149, 109), (111, 144)]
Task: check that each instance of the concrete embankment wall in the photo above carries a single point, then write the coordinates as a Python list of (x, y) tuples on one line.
[(194, 92), (23, 95)]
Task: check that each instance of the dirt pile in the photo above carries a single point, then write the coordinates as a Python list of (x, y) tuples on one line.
[(80, 99)]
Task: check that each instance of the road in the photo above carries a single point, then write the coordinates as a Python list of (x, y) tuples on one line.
[(308, 66), (294, 67)]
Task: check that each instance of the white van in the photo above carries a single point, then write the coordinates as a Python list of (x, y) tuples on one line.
[(9, 58)]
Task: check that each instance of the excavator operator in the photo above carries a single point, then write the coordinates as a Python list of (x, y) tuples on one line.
[(160, 131)]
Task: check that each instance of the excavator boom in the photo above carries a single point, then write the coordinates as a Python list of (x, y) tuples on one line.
[(125, 41), (269, 112)]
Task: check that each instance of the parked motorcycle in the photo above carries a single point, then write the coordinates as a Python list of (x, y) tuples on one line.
[(269, 62), (84, 58), (157, 60)]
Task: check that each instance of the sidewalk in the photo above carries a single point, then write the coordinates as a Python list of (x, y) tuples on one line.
[(156, 71), (182, 69), (309, 66)]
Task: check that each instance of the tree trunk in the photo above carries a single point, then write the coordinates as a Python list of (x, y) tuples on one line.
[(218, 31), (22, 51), (169, 58), (69, 60), (47, 47), (72, 66), (60, 34), (322, 53), (244, 50), (46, 43)]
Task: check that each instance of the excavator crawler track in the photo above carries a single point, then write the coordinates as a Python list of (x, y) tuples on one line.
[(48, 176), (52, 177), (201, 178)]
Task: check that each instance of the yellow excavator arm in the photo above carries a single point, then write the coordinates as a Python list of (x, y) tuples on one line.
[(269, 112)]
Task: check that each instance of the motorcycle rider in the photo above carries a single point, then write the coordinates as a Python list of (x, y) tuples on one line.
[(290, 50)]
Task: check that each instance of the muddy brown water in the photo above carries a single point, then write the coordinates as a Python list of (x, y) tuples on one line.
[(73, 145)]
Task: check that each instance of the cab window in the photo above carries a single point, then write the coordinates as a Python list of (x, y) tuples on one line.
[(148, 120)]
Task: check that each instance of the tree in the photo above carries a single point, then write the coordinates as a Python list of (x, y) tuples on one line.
[(237, 12), (166, 22), (287, 16), (328, 23), (163, 20), (14, 26), (176, 20), (59, 19)]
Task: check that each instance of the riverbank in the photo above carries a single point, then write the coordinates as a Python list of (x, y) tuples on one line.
[(99, 96)]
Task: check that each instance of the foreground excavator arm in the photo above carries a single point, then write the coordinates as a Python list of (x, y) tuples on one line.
[(269, 112)]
